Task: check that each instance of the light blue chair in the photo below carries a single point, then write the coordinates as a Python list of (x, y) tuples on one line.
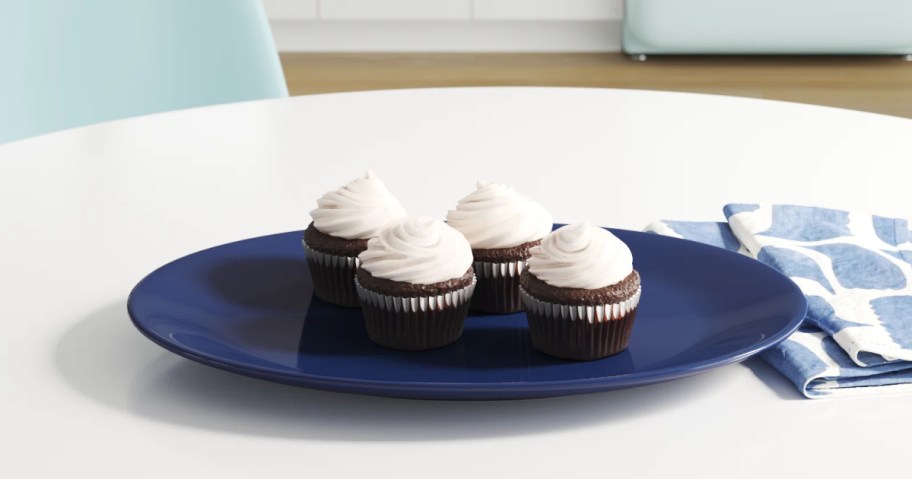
[(67, 63)]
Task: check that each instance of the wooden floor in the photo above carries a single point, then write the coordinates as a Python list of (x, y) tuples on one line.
[(876, 84)]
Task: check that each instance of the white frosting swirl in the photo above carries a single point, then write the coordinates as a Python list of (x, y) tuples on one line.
[(581, 256), (496, 216), (418, 251), (358, 210)]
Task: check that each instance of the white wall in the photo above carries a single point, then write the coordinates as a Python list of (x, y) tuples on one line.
[(445, 25)]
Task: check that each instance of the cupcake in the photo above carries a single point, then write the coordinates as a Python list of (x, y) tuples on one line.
[(580, 293), (501, 225), (342, 223), (415, 283)]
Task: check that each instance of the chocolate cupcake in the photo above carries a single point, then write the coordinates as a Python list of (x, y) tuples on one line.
[(580, 293), (415, 283), (342, 223), (501, 225)]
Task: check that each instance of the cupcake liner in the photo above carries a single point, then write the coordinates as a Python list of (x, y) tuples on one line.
[(333, 277), (580, 332), (414, 324), (498, 287)]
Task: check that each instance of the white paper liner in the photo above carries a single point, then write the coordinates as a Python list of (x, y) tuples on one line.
[(509, 269), (417, 304), (326, 259), (599, 313)]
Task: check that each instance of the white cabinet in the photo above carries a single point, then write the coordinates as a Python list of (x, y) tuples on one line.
[(395, 9), (548, 9), (291, 9), (417, 10), (446, 25)]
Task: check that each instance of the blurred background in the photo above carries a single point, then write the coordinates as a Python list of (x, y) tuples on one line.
[(852, 52), (69, 64)]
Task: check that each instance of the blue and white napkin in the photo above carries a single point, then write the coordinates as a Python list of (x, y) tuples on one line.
[(855, 270)]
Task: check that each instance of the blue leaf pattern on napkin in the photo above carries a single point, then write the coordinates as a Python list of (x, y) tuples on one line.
[(856, 271), (794, 265), (735, 208), (807, 223), (821, 314), (895, 313), (856, 267), (886, 230)]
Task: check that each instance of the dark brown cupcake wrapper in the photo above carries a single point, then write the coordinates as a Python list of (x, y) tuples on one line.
[(583, 333), (415, 324), (333, 277), (497, 290)]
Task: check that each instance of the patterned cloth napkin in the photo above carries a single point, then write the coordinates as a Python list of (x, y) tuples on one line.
[(855, 270)]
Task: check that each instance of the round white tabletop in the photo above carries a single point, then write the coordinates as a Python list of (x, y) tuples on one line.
[(87, 212)]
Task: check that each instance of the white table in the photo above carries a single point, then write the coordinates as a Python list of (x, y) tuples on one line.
[(86, 213)]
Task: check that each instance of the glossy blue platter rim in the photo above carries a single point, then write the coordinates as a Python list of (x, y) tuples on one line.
[(239, 306)]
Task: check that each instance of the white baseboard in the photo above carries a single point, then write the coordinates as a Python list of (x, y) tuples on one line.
[(447, 36)]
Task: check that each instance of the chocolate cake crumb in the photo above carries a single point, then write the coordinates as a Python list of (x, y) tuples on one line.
[(503, 255), (623, 290), (329, 244), (409, 290)]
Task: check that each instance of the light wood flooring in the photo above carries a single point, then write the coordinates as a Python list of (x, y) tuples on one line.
[(876, 84)]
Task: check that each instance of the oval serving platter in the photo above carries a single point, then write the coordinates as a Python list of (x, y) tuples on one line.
[(248, 307)]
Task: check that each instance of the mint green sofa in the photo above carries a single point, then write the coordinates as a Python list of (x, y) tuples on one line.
[(768, 27)]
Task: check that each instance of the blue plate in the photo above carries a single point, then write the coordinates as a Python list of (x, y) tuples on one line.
[(247, 307)]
